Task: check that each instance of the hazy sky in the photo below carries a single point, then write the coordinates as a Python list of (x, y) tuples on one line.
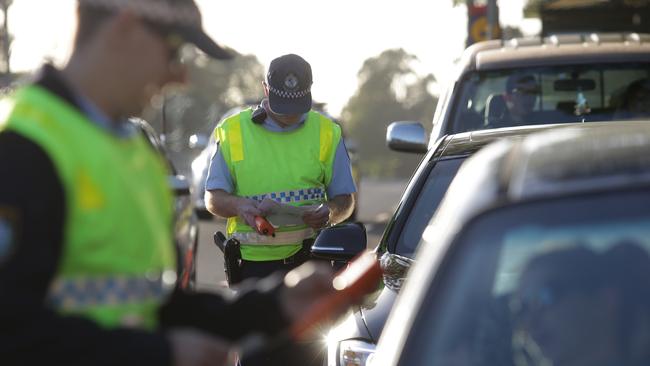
[(334, 36)]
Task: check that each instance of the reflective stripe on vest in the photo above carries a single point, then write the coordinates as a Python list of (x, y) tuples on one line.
[(71, 294), (280, 238), (299, 195)]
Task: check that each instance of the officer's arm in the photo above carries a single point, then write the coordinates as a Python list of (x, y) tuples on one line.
[(232, 316), (341, 207), (341, 187), (222, 203), (32, 214), (218, 187)]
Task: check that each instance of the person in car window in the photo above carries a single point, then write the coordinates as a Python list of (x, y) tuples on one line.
[(87, 258), (522, 92), (575, 306), (514, 106), (636, 101)]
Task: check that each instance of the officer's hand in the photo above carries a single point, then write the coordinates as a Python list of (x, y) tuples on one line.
[(247, 209), (317, 218), (304, 287), (194, 348)]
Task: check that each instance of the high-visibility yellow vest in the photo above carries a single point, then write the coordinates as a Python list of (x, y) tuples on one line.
[(118, 258), (292, 167)]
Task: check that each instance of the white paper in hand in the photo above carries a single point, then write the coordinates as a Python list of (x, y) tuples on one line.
[(281, 214)]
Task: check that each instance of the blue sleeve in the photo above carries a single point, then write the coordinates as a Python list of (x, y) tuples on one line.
[(342, 182), (218, 173)]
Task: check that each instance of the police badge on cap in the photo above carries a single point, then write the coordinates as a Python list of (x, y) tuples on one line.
[(289, 81)]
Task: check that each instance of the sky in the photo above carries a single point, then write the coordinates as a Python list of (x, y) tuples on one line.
[(334, 36)]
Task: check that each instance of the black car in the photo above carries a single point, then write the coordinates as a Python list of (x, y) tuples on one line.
[(539, 254), (355, 337), (186, 229)]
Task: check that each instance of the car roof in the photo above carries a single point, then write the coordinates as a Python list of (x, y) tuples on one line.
[(466, 143), (595, 156), (558, 50)]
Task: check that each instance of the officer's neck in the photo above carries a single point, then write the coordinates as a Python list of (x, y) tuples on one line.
[(283, 120), (88, 79)]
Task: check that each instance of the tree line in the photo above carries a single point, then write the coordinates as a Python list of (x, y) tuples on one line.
[(388, 90)]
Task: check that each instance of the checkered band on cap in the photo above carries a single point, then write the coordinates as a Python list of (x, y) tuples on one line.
[(307, 194), (289, 95), (166, 12)]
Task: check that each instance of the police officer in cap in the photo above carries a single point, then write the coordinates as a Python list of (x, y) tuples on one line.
[(87, 259), (285, 152)]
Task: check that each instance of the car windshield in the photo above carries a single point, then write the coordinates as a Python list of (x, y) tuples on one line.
[(426, 203), (561, 282), (544, 95)]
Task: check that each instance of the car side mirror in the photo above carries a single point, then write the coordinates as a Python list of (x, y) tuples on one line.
[(407, 137), (179, 185), (341, 242)]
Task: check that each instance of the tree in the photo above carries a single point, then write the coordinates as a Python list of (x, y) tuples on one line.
[(389, 90), (215, 87), (6, 38)]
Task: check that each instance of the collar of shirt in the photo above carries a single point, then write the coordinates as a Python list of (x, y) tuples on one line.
[(271, 125), (50, 78), (122, 129)]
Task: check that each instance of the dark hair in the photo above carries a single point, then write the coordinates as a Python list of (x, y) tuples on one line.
[(89, 18), (516, 79), (633, 89)]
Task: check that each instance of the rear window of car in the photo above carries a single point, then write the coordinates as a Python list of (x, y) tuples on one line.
[(562, 94), (556, 282)]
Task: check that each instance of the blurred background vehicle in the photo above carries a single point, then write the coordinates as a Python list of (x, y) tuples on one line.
[(353, 339), (207, 145), (185, 219), (537, 255), (574, 78)]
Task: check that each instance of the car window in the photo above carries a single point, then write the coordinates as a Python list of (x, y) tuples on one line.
[(544, 283), (528, 96), (426, 203)]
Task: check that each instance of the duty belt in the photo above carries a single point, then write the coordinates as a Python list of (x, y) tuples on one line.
[(281, 238)]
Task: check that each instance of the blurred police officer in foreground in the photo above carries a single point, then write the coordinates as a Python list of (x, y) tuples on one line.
[(286, 152), (87, 263)]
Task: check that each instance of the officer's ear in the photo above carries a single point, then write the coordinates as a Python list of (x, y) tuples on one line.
[(265, 86)]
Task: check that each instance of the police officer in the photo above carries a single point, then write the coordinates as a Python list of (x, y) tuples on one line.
[(282, 151), (286, 152), (87, 261)]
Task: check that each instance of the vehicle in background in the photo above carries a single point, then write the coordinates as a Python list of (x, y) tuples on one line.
[(353, 339), (207, 145), (200, 165), (559, 17), (186, 229), (577, 77), (538, 255)]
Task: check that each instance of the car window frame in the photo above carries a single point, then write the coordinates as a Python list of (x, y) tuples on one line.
[(396, 225)]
